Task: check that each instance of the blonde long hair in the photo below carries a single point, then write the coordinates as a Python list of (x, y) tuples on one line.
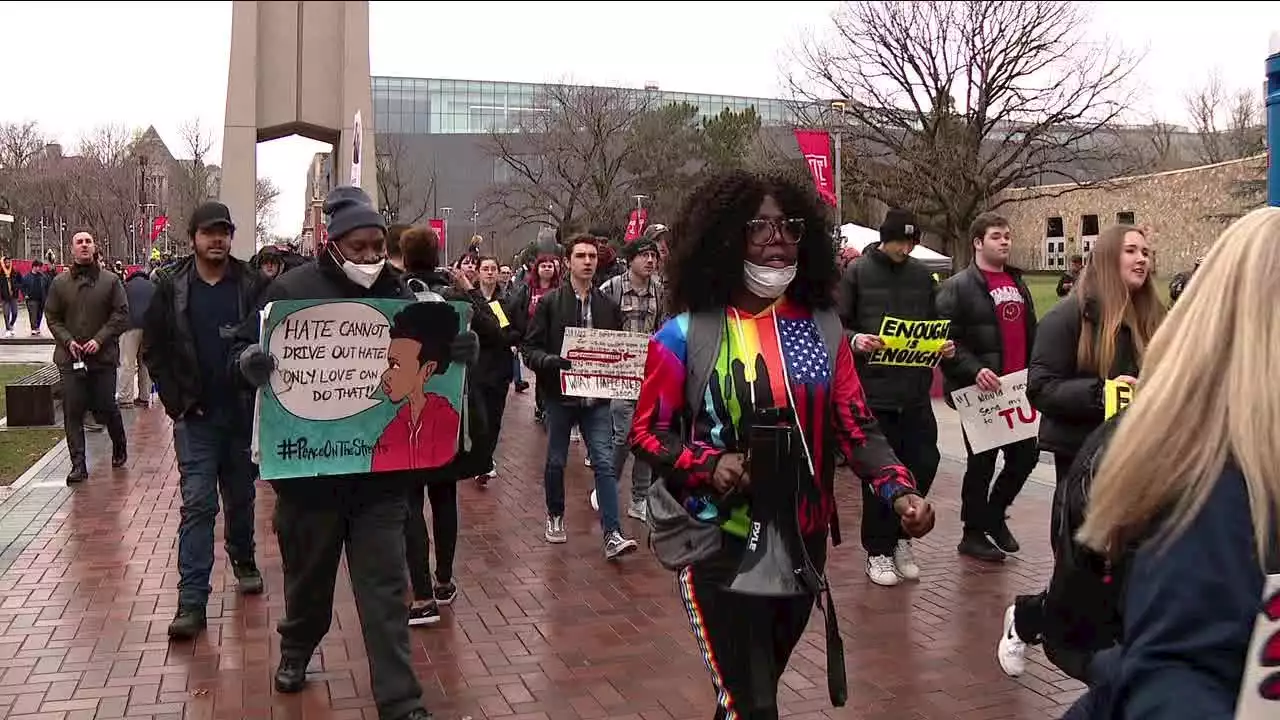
[(1141, 311), (1204, 399)]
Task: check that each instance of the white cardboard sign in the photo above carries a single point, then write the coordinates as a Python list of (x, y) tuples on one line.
[(605, 363), (995, 419)]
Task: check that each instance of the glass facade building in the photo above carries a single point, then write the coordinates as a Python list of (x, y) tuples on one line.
[(427, 106)]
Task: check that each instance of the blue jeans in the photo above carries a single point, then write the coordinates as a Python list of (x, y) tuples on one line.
[(213, 457), (596, 425), (517, 369), (10, 313)]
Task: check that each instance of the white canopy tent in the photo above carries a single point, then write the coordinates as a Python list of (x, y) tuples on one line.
[(859, 237)]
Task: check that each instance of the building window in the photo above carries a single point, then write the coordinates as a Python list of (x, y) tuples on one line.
[(1055, 245), (1055, 228), (1088, 232), (1124, 218)]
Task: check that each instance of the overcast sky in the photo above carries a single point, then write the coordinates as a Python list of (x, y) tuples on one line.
[(73, 65)]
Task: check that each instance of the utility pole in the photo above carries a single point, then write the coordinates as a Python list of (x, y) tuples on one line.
[(839, 106), (446, 211), (1273, 120)]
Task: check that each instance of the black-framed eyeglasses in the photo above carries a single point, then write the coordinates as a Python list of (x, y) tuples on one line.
[(767, 232)]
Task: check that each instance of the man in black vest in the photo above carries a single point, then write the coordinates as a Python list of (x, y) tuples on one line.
[(887, 282)]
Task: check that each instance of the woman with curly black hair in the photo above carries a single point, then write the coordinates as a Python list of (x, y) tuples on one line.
[(755, 341)]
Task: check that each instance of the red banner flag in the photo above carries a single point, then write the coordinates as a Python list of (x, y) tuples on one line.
[(635, 227), (158, 225), (815, 145), (441, 229)]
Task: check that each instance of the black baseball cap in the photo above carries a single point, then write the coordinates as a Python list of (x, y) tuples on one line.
[(899, 224), (208, 215)]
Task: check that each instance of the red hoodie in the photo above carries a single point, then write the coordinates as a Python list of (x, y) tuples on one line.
[(430, 443)]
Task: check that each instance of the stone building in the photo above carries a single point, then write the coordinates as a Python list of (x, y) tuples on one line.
[(1188, 209)]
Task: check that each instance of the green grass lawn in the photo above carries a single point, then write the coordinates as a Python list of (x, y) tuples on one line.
[(1044, 291), (20, 448)]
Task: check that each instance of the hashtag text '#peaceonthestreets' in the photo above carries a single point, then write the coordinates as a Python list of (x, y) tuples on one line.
[(301, 449)]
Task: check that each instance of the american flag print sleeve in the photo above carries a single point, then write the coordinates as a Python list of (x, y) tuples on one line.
[(659, 427), (859, 436)]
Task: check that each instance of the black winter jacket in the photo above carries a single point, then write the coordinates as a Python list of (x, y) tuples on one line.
[(496, 367), (874, 286), (1069, 398), (556, 311), (965, 300)]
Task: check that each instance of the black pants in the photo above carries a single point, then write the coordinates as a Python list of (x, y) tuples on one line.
[(93, 389), (495, 403), (982, 503), (443, 497), (369, 524), (746, 642), (35, 313), (913, 435)]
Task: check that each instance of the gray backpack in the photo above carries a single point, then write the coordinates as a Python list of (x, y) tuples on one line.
[(676, 537)]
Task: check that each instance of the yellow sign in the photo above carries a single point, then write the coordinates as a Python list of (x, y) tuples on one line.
[(1116, 396), (496, 307), (910, 343)]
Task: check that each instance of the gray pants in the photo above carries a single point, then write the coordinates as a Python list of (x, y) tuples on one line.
[(641, 473), (369, 524)]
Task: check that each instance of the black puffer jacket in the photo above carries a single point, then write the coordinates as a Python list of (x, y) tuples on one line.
[(496, 366), (873, 287), (1069, 398), (965, 300)]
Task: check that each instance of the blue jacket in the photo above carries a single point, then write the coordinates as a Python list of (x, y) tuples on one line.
[(139, 289), (1189, 612)]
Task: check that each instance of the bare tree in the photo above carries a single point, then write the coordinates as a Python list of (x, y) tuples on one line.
[(947, 104), (191, 182), (20, 147), (565, 162), (1228, 125), (265, 194), (406, 190)]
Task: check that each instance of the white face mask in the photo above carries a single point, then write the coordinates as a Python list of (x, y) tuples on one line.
[(767, 282), (364, 275)]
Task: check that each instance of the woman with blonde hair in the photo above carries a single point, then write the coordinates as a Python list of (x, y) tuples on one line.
[(1099, 332), (1191, 479)]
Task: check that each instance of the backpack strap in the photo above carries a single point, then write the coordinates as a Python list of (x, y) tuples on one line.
[(832, 332), (702, 344)]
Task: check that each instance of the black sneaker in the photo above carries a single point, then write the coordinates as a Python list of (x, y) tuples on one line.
[(291, 675), (418, 714), (1004, 539), (521, 386), (445, 593), (427, 614), (77, 476), (94, 427), (187, 623), (976, 545), (248, 578), (615, 545), (119, 458)]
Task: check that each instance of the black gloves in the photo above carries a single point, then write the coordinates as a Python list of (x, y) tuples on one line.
[(256, 365), (555, 362), (465, 348)]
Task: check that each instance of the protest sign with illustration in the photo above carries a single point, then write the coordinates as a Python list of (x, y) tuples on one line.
[(910, 343), (605, 363), (1116, 396), (995, 419), (1260, 686), (359, 386)]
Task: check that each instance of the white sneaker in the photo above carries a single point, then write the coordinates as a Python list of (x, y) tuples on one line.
[(1012, 651), (595, 501), (587, 461), (638, 510), (880, 570), (904, 561), (8, 333)]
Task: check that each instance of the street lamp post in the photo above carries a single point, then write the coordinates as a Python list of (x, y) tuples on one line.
[(446, 211), (1273, 120), (839, 106)]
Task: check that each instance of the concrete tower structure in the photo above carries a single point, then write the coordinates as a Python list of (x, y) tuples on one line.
[(297, 68)]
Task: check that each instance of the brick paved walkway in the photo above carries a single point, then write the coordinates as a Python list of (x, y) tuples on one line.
[(87, 587)]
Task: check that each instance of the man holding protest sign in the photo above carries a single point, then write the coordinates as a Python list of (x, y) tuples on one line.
[(363, 513), (887, 303), (576, 304), (993, 323), (198, 304)]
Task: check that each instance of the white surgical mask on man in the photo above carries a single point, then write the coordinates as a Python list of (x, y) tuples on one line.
[(767, 282), (362, 274)]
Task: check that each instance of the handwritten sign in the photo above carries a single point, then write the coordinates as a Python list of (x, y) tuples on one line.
[(995, 419), (496, 307), (359, 386), (605, 363), (1260, 684), (1116, 396), (910, 343)]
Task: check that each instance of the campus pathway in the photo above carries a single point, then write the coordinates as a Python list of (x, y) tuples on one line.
[(87, 587)]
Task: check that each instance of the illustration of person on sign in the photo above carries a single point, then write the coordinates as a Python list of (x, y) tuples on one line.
[(424, 432)]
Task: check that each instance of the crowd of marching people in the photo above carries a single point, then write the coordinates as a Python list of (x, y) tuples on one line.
[(761, 378)]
